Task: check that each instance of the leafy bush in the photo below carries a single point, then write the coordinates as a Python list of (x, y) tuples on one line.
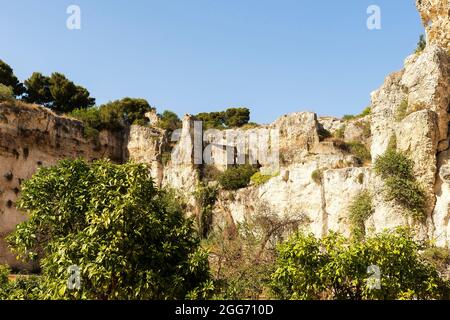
[(400, 184), (367, 111), (169, 120), (8, 79), (394, 163), (348, 117), (317, 176), (230, 118), (408, 194), (360, 210), (129, 239), (359, 150), (258, 178), (340, 133), (24, 287), (113, 115), (335, 268), (236, 177), (6, 92)]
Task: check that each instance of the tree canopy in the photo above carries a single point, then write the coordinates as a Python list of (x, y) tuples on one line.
[(56, 92), (337, 268), (169, 120), (129, 239), (230, 118), (7, 78)]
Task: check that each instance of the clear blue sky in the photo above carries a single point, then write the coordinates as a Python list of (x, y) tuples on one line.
[(190, 56)]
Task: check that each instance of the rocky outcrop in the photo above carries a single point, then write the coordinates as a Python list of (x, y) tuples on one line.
[(435, 16)]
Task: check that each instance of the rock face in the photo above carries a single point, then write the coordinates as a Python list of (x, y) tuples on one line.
[(317, 175), (435, 16)]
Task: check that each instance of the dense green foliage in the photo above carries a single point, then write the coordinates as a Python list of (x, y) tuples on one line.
[(400, 185), (22, 288), (113, 115), (236, 177), (360, 210), (6, 93), (129, 239), (169, 120), (57, 92), (230, 118), (359, 150), (8, 79), (38, 89), (258, 178), (336, 268)]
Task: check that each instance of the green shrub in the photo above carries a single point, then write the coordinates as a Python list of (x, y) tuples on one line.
[(359, 150), (393, 163), (367, 111), (337, 268), (236, 177), (400, 185), (230, 118), (24, 287), (348, 117), (408, 194), (6, 92), (258, 178), (317, 176), (250, 125), (360, 210), (340, 133), (421, 44), (169, 120), (113, 115)]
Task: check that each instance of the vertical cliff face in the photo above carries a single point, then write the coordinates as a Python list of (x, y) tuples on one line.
[(31, 137), (435, 16)]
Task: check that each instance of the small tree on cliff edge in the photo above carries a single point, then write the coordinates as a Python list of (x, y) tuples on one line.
[(128, 239), (8, 79)]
